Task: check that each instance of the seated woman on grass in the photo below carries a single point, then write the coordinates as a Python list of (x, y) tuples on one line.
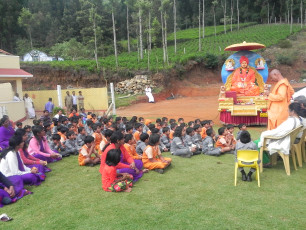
[(39, 147), (126, 164), (12, 165), (152, 158), (11, 189), (6, 132), (29, 160), (111, 180)]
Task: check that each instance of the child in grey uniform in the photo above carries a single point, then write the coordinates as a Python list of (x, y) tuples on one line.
[(81, 136), (197, 138), (178, 147), (71, 144), (142, 143), (165, 137), (88, 127), (242, 127), (190, 142), (57, 146), (208, 147), (246, 143)]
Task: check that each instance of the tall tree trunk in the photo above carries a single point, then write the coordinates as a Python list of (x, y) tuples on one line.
[(268, 13), (301, 8), (140, 35), (199, 25), (30, 36), (163, 35), (150, 35), (174, 15), (224, 14), (128, 28), (203, 19), (238, 14), (288, 13), (115, 40), (215, 20), (96, 49), (291, 18), (232, 12)]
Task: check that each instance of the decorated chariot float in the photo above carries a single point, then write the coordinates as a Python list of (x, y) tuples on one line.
[(242, 98)]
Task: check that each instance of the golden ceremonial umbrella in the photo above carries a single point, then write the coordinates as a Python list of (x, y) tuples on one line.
[(245, 46)]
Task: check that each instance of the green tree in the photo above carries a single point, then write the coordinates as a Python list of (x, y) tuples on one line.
[(26, 20)]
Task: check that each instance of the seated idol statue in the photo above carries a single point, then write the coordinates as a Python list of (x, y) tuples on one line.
[(243, 80)]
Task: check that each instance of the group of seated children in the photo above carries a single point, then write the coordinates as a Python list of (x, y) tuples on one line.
[(124, 149)]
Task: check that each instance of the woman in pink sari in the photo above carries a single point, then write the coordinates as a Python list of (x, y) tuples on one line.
[(29, 160), (39, 147)]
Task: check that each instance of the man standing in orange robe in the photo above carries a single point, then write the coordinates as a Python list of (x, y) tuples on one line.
[(279, 100)]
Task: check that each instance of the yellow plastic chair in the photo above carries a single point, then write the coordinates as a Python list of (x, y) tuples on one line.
[(250, 156), (292, 134), (298, 148)]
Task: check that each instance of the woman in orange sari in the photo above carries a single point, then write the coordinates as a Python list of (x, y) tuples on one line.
[(243, 80)]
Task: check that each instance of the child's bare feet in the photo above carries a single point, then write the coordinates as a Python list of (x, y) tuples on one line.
[(128, 189), (145, 170)]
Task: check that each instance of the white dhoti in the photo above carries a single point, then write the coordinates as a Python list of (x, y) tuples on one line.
[(29, 107), (149, 95)]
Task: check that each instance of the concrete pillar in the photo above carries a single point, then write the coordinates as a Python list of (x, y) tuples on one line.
[(19, 87)]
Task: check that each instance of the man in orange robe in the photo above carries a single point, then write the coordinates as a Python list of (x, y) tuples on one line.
[(243, 80), (279, 100)]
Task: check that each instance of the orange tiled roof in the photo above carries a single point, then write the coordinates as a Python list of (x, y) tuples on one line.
[(4, 52)]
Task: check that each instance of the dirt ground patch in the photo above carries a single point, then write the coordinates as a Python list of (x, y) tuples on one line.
[(195, 103)]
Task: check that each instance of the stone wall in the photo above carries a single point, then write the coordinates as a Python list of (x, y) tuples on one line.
[(136, 85)]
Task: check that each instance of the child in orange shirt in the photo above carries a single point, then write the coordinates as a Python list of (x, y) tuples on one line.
[(86, 151), (172, 128), (222, 142), (151, 127), (230, 135), (152, 158), (138, 127), (106, 139), (98, 137), (111, 180), (129, 146), (62, 131), (205, 126)]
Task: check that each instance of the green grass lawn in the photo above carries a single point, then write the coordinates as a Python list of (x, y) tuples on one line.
[(195, 193)]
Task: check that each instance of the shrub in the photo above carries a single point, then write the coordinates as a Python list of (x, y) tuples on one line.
[(284, 44), (211, 61), (56, 109), (288, 59)]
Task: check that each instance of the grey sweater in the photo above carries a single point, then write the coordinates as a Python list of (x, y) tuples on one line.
[(140, 147)]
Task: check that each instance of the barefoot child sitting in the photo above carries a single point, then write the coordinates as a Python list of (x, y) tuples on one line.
[(242, 127), (106, 139), (129, 146), (152, 158), (111, 180), (223, 142), (165, 137), (138, 131), (86, 151), (246, 143), (208, 147), (230, 134), (142, 143)]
